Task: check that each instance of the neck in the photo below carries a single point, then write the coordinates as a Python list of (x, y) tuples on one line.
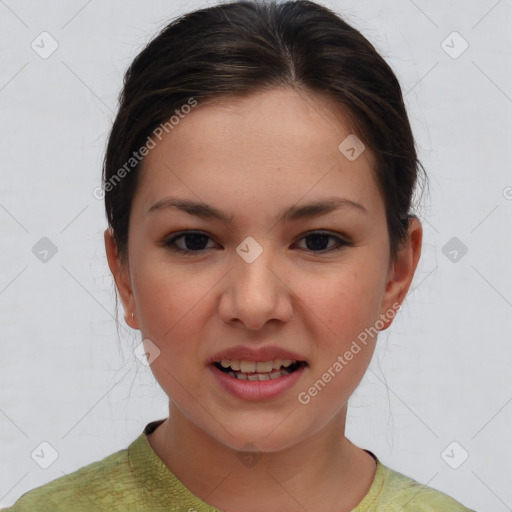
[(326, 468)]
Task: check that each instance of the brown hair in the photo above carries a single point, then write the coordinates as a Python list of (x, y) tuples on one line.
[(243, 47)]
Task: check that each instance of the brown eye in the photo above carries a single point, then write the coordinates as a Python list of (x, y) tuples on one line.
[(194, 242), (318, 242)]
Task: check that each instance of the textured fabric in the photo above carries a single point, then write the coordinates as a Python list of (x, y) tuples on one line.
[(135, 479)]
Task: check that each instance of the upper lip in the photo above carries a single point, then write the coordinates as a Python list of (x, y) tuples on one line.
[(246, 353)]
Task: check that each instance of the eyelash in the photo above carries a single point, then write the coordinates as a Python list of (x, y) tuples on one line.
[(188, 252)]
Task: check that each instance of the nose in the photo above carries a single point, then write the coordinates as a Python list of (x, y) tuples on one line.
[(256, 292)]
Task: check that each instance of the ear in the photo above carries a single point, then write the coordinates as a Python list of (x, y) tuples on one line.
[(121, 275), (401, 272)]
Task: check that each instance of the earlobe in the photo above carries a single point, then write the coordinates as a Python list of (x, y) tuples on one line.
[(121, 277), (402, 272)]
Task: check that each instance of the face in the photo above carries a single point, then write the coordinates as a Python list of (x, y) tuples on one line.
[(256, 286)]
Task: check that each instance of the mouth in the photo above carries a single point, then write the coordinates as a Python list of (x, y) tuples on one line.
[(258, 370)]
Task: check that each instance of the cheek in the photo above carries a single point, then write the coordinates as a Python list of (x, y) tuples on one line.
[(174, 305), (171, 307), (340, 312), (167, 296), (342, 302)]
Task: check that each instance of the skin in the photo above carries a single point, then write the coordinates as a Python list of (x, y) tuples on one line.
[(252, 157)]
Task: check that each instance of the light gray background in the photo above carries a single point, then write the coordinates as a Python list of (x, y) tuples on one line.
[(67, 379)]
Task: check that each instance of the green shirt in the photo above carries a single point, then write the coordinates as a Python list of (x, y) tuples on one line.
[(136, 479)]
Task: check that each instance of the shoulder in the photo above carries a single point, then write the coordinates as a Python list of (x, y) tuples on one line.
[(398, 492), (107, 484)]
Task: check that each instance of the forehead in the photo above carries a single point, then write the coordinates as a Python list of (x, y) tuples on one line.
[(272, 147)]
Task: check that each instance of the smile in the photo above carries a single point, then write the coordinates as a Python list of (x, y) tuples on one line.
[(258, 370)]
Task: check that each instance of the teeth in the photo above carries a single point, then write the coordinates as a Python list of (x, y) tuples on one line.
[(267, 366), (259, 376), (264, 367), (247, 366)]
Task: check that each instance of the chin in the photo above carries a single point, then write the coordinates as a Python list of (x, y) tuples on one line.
[(260, 435)]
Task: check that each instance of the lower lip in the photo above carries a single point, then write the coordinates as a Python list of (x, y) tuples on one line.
[(257, 389)]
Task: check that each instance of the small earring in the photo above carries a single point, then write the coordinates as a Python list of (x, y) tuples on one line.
[(133, 315)]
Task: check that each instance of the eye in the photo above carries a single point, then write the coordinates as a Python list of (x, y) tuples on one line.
[(195, 242), (319, 239)]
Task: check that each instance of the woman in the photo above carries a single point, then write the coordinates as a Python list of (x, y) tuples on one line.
[(258, 182)]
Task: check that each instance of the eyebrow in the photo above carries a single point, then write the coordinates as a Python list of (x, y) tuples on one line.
[(294, 212)]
